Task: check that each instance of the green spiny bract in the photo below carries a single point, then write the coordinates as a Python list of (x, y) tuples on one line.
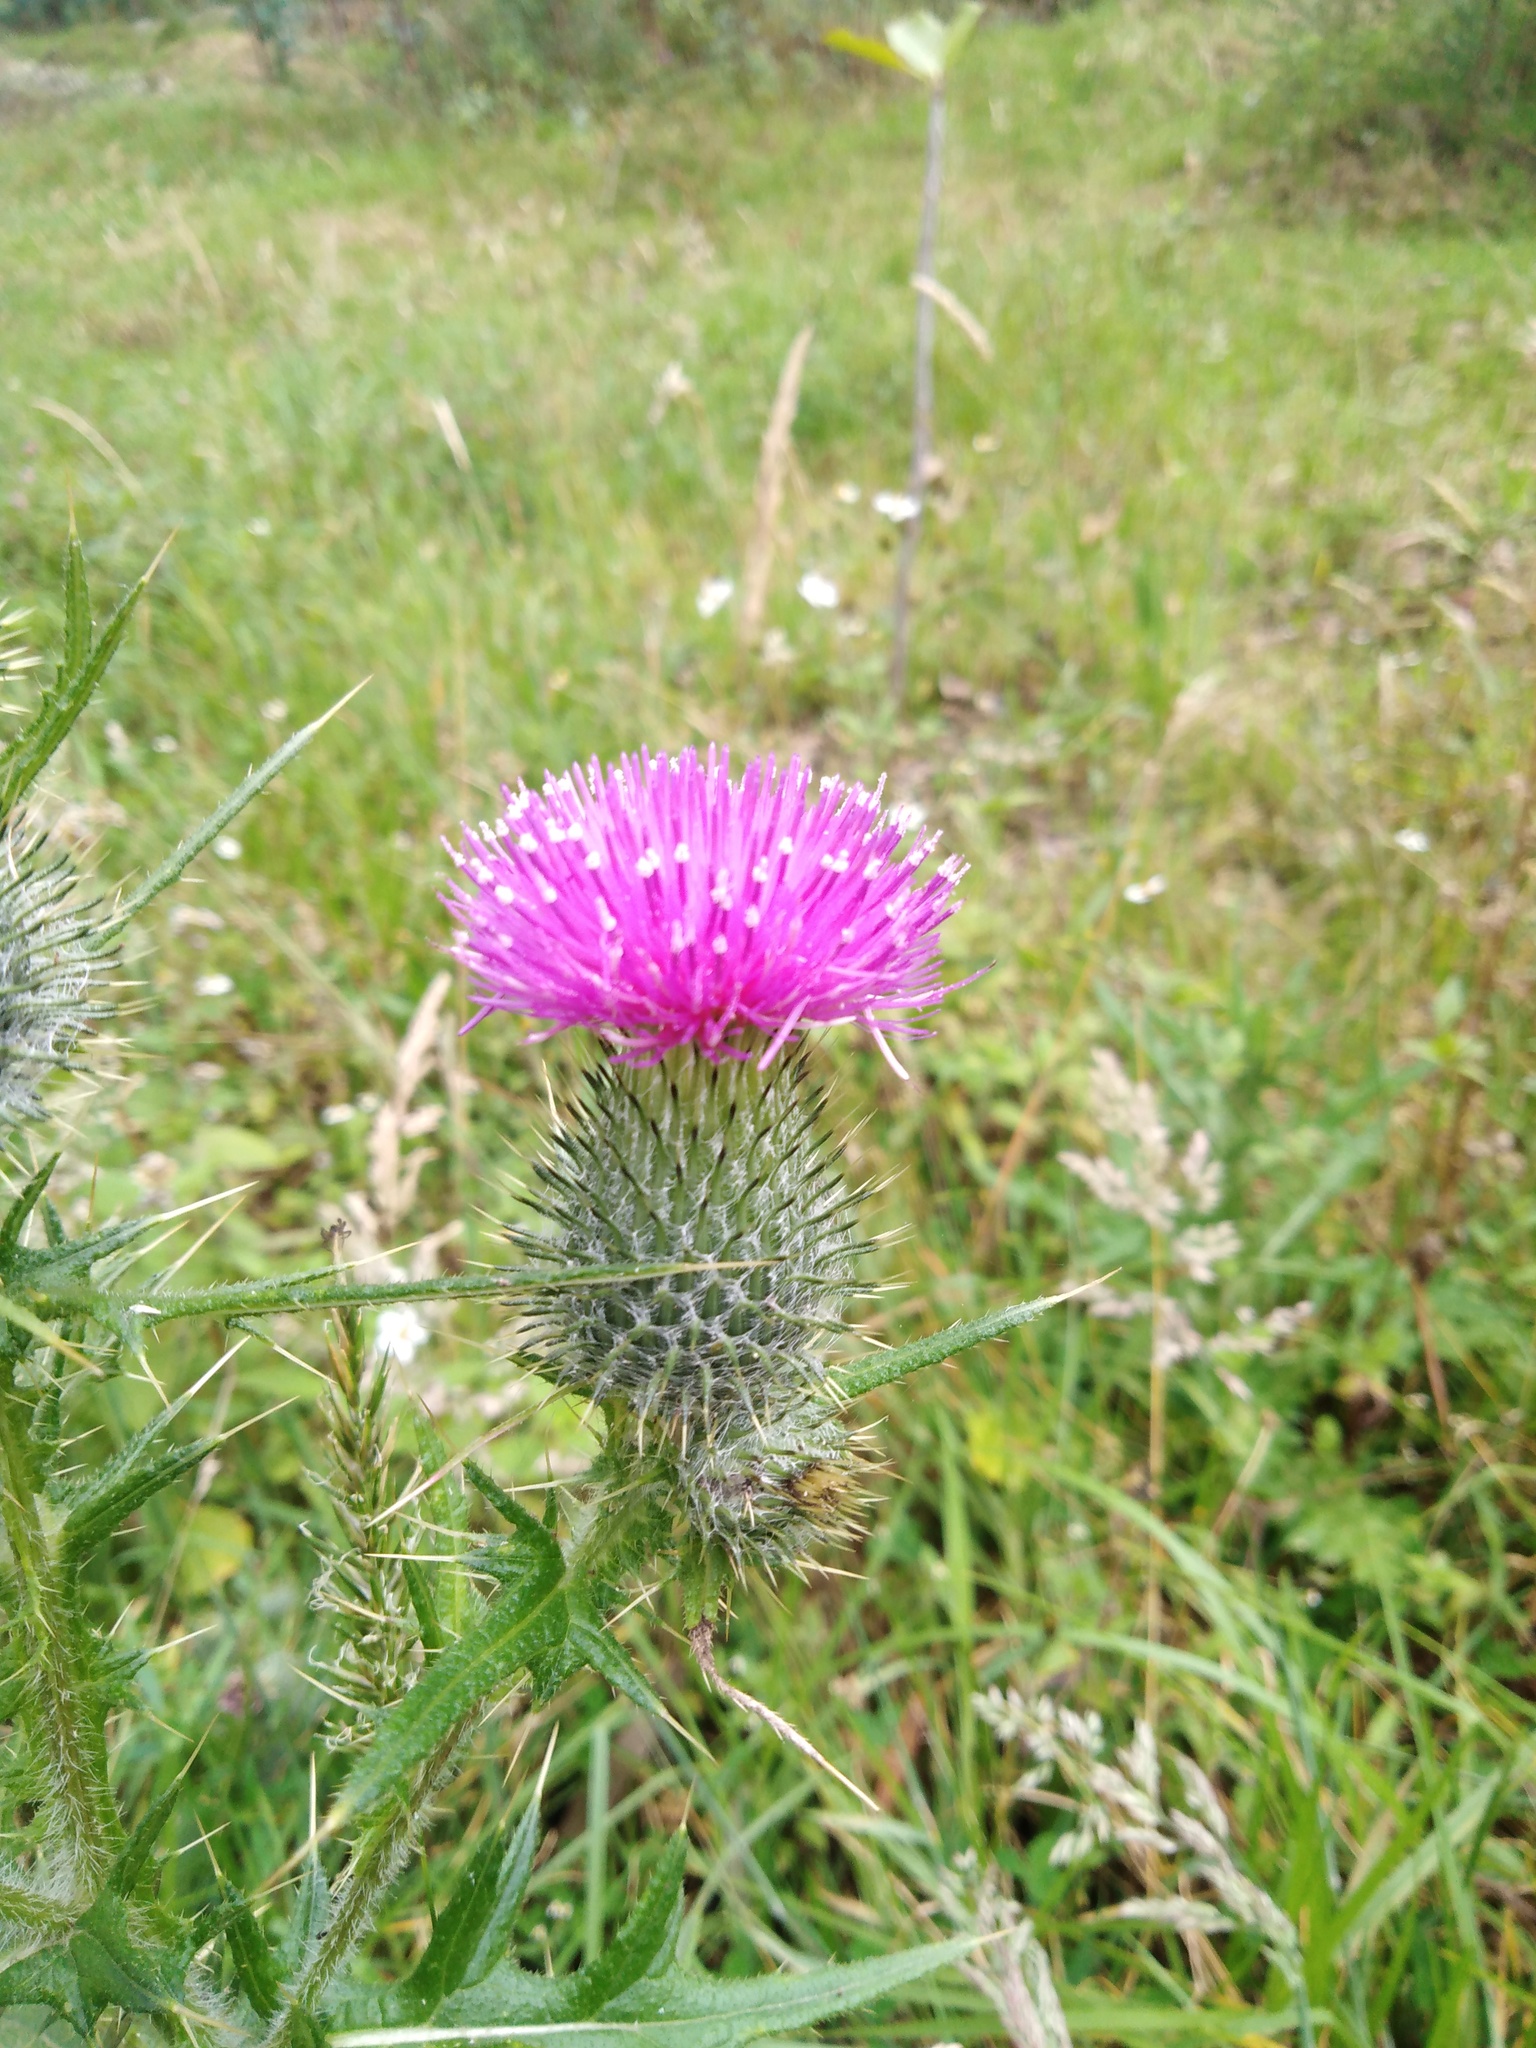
[(50, 968), (685, 1163)]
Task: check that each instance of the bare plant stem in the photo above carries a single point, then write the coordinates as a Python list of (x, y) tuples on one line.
[(922, 396), (1157, 1461)]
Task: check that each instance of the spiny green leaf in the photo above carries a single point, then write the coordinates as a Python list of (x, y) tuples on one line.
[(525, 1620), (16, 1215), (177, 863), (674, 2009), (49, 1978), (886, 1366), (77, 610), (251, 1955), (116, 1969), (471, 1934), (25, 757), (635, 1948), (85, 1528), (140, 1845)]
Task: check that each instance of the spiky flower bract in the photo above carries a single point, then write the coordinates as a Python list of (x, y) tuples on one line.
[(50, 968), (662, 902), (691, 1164)]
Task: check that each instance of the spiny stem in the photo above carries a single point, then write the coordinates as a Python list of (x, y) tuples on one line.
[(376, 1861), (69, 1736)]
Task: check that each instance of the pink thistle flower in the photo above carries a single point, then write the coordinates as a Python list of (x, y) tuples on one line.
[(662, 903)]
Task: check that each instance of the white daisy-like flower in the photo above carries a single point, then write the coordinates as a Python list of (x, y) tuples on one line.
[(819, 591), (399, 1334), (714, 595), (1411, 839), (897, 506)]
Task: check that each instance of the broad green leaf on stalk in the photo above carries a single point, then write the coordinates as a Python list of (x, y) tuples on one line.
[(886, 1366), (873, 52), (471, 1932), (524, 1624), (666, 2008), (919, 41)]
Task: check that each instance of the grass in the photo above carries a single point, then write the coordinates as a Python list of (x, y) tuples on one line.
[(1231, 580)]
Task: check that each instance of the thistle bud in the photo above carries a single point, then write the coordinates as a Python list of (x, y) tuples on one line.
[(49, 970)]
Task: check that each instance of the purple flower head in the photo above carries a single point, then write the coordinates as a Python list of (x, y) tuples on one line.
[(662, 902)]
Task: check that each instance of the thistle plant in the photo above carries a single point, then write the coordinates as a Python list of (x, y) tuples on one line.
[(688, 1280)]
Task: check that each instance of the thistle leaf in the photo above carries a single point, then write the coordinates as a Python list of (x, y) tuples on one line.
[(886, 1366), (48, 1978), (630, 1955), (114, 1968), (86, 1527), (671, 2008), (16, 1215), (175, 865), (77, 609), (471, 1932), (251, 1955), (84, 665), (140, 1845), (524, 1623)]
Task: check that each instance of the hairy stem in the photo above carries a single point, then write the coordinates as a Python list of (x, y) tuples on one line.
[(68, 1734), (377, 1858)]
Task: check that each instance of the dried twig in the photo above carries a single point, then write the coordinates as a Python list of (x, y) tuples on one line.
[(768, 492), (701, 1639)]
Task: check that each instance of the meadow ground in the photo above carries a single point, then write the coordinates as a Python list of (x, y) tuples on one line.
[(1221, 685)]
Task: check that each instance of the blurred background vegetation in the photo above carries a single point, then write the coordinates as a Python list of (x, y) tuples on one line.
[(443, 336)]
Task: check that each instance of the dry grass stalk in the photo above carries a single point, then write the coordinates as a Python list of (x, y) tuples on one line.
[(768, 492), (395, 1165)]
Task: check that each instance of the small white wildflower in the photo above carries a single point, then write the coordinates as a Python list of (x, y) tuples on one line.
[(671, 385), (818, 591), (777, 652), (1144, 892), (338, 1112), (897, 506), (259, 529), (274, 710), (1411, 839), (399, 1333), (165, 743), (213, 985), (714, 595), (227, 847), (847, 494), (559, 1909)]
